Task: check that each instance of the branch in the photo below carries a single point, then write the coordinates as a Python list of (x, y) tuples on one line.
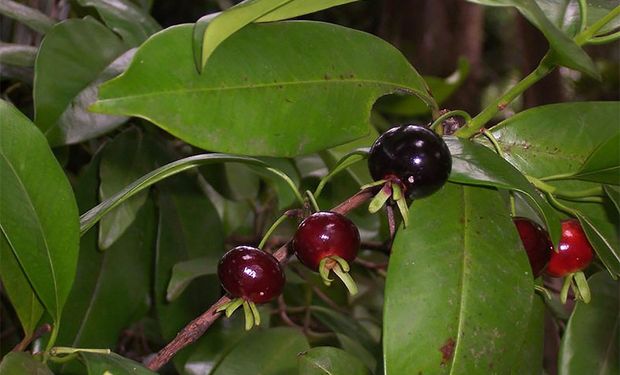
[(197, 327)]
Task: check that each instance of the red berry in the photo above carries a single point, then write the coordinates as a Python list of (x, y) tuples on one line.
[(536, 242), (325, 234), (249, 273), (575, 252), (413, 154)]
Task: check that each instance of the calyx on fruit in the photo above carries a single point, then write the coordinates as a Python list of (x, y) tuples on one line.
[(249, 276), (327, 241), (573, 255), (410, 161)]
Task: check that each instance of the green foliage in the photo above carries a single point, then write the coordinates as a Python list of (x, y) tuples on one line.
[(590, 343), (459, 272), (257, 113), (301, 90), (39, 214)]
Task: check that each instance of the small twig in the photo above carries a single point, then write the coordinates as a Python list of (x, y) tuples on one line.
[(371, 265), (197, 327), (42, 330), (391, 222)]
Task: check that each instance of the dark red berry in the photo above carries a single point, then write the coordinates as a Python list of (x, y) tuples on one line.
[(536, 242), (249, 273), (415, 155), (575, 252), (325, 234)]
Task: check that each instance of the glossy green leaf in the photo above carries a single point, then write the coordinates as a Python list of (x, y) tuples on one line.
[(39, 222), (530, 357), (356, 349), (474, 164), (17, 54), (603, 165), (20, 363), (441, 88), (336, 82), (210, 31), (189, 228), (558, 138), (445, 281), (590, 343), (17, 287), (123, 161), (114, 285), (27, 15), (126, 19), (183, 273), (327, 360), (343, 324), (565, 14), (77, 124), (613, 192), (269, 352), (91, 217), (566, 51), (112, 364), (65, 65)]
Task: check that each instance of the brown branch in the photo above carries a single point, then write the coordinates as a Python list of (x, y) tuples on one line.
[(42, 330), (197, 327)]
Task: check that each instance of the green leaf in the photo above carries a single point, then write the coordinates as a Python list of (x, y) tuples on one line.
[(603, 165), (40, 219), (330, 361), (269, 352), (441, 88), (126, 19), (286, 92), (17, 287), (183, 273), (530, 359), (189, 229), (123, 161), (26, 15), (65, 65), (566, 51), (114, 286), (17, 54), (474, 164), (343, 324), (77, 124), (211, 30), (590, 342), (20, 363), (356, 349), (445, 282), (556, 139), (566, 16), (104, 364), (91, 217), (613, 192)]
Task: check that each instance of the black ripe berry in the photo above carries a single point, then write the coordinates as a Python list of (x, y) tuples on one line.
[(414, 155), (328, 241), (251, 274), (536, 242)]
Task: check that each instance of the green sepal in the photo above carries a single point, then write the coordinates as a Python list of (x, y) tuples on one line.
[(564, 292), (581, 287), (379, 200)]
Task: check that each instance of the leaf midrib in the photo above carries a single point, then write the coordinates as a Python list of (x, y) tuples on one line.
[(259, 86), (42, 232), (462, 283)]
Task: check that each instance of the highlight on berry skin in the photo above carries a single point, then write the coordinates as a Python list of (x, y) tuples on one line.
[(250, 276)]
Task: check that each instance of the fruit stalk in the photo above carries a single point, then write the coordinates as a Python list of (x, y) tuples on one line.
[(197, 327)]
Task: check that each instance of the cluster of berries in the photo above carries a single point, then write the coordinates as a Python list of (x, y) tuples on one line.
[(408, 162)]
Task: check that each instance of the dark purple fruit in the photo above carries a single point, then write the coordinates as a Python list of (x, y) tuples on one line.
[(251, 274), (325, 234), (414, 155), (536, 242)]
